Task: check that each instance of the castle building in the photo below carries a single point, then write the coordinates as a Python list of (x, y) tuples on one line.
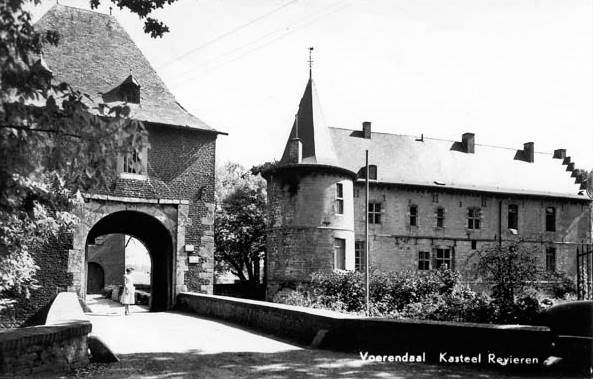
[(432, 202), (163, 195)]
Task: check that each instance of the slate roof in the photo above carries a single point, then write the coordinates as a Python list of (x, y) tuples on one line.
[(429, 162), (403, 159), (310, 127), (95, 55)]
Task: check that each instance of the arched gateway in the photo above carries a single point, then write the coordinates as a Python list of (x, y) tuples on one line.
[(159, 226)]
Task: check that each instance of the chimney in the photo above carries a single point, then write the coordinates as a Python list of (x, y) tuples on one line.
[(529, 152), (570, 166), (295, 150), (559, 154), (366, 129), (468, 140)]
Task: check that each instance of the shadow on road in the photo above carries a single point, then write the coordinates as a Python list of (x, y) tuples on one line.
[(290, 364)]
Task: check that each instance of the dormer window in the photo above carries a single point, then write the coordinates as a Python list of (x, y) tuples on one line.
[(132, 165), (129, 90), (42, 73)]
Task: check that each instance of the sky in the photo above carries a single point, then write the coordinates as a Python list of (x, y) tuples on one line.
[(509, 71)]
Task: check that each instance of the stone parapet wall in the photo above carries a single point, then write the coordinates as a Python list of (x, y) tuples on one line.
[(44, 349), (343, 332)]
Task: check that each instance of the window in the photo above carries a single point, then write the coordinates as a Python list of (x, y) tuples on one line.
[(440, 217), (374, 213), (423, 260), (413, 215), (132, 163), (513, 217), (473, 218), (551, 259), (484, 202), (372, 172), (359, 256), (444, 258), (550, 219), (339, 198), (474, 244), (435, 197), (340, 253)]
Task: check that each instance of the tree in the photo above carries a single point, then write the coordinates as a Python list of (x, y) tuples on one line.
[(240, 223), (54, 142), (511, 268)]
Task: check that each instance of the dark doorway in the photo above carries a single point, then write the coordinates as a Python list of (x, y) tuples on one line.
[(95, 278), (157, 240)]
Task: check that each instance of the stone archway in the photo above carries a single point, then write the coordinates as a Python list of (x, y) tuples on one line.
[(159, 225), (157, 239)]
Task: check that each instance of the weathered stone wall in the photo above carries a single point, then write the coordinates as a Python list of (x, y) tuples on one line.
[(394, 244), (303, 225), (109, 252), (44, 349)]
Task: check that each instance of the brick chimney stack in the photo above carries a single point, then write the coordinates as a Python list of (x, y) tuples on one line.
[(468, 141), (366, 129), (529, 152)]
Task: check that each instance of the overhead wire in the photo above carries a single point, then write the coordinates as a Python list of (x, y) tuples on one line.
[(284, 31), (226, 34)]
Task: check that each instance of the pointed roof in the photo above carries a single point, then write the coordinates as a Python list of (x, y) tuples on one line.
[(310, 127), (95, 54)]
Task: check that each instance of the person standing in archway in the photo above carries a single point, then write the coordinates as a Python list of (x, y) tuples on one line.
[(129, 295)]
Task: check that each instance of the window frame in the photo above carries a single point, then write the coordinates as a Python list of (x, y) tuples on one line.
[(424, 260), (551, 259), (513, 216), (339, 253), (374, 215), (440, 217), (440, 260), (413, 215), (550, 222), (359, 256), (339, 198), (474, 218)]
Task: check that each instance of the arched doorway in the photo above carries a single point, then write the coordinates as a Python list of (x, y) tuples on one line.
[(157, 240), (95, 278)]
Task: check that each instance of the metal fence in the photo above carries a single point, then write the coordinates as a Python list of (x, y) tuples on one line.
[(585, 272)]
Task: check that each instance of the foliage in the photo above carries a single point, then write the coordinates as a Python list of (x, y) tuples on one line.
[(54, 142), (559, 285), (240, 223), (511, 268), (437, 295)]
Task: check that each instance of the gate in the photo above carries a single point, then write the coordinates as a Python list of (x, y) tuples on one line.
[(585, 272)]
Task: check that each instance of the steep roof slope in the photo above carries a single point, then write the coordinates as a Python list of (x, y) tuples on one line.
[(432, 162), (310, 127), (95, 55)]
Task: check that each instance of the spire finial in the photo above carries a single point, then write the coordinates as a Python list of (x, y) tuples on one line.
[(310, 61)]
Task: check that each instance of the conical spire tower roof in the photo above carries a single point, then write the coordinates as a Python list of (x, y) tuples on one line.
[(309, 126)]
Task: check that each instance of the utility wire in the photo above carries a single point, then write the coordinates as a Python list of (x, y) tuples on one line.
[(286, 30), (226, 34)]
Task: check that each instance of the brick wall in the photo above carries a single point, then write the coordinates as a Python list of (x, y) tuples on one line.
[(109, 252), (44, 349), (185, 161)]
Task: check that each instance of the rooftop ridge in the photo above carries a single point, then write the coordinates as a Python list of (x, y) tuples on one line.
[(443, 139), (57, 5)]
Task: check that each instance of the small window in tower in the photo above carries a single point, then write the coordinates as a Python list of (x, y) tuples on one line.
[(339, 198), (340, 253)]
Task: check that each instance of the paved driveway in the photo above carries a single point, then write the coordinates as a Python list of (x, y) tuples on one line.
[(179, 345)]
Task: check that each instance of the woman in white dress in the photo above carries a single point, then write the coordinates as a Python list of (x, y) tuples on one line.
[(129, 295)]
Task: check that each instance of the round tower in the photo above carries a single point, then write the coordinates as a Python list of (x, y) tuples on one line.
[(310, 204)]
